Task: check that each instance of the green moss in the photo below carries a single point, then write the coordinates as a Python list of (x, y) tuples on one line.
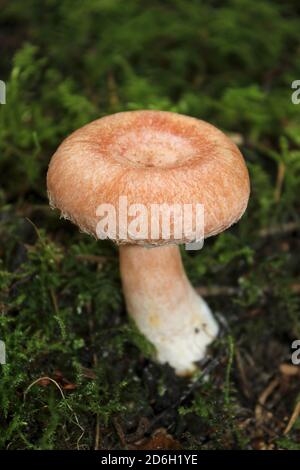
[(62, 312)]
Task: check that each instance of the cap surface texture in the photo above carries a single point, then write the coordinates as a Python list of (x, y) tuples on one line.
[(151, 157)]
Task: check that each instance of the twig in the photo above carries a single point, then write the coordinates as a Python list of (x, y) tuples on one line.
[(120, 432), (279, 229), (293, 418), (289, 370), (279, 181), (112, 88), (36, 230), (142, 428), (228, 371), (263, 398), (27, 210), (93, 258), (91, 325), (244, 380), (97, 437), (54, 301), (295, 287), (65, 400), (215, 291)]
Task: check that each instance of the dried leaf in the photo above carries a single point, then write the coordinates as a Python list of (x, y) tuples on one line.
[(160, 439)]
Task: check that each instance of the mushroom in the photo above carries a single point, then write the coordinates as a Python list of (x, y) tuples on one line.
[(153, 159)]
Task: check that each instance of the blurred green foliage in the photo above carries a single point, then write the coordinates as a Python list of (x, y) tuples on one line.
[(66, 63)]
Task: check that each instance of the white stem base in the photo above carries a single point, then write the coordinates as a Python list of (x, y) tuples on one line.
[(165, 307), (180, 337)]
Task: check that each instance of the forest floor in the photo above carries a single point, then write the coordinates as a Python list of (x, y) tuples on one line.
[(78, 374)]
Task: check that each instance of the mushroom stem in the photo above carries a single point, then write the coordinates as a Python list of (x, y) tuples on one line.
[(164, 305)]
